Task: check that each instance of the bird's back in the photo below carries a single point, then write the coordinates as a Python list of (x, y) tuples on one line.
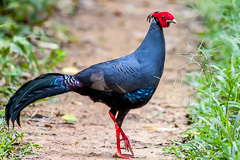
[(131, 80)]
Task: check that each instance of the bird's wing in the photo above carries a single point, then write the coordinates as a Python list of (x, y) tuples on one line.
[(119, 76)]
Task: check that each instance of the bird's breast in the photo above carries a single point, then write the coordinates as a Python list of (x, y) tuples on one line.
[(140, 95)]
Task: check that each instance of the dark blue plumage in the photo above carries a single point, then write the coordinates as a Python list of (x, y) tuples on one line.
[(123, 84), (139, 95), (139, 70), (43, 86)]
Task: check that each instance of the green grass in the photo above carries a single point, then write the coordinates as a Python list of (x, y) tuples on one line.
[(27, 48), (215, 132), (12, 145)]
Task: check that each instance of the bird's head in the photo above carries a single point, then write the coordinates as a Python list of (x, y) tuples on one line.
[(163, 18)]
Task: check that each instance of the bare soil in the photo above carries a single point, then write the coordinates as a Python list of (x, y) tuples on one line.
[(106, 30)]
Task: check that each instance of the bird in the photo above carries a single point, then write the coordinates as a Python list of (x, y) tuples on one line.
[(122, 84)]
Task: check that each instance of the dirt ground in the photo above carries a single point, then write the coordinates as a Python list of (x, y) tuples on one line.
[(109, 29)]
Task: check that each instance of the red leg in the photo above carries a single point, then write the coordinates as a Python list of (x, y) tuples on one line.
[(126, 142), (124, 138), (112, 116)]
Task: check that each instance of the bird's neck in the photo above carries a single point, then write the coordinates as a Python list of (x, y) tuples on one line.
[(152, 48)]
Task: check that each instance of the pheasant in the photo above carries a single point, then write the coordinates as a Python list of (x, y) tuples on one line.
[(122, 84)]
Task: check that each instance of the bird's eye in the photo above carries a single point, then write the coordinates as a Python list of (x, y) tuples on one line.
[(163, 17)]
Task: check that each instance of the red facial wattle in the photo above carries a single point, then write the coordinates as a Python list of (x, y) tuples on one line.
[(164, 18)]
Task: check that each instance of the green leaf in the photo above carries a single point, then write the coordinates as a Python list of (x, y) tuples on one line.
[(16, 48), (5, 52), (69, 118)]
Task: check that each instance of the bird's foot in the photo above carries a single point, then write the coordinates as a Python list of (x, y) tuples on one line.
[(124, 156), (126, 142), (124, 138)]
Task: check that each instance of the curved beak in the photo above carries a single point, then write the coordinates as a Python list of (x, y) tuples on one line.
[(172, 21)]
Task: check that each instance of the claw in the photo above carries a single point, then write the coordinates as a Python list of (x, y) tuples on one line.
[(126, 142), (124, 138), (119, 155)]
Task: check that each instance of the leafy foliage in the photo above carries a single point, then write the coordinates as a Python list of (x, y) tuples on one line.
[(26, 48), (215, 132), (11, 144)]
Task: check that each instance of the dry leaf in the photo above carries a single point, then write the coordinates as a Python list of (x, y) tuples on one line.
[(70, 70), (48, 125), (2, 82), (159, 129), (77, 103), (48, 45)]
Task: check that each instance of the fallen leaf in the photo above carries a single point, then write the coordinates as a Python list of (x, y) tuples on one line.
[(69, 118), (77, 103), (159, 129), (2, 82), (48, 45), (149, 127), (192, 132), (48, 125), (70, 70)]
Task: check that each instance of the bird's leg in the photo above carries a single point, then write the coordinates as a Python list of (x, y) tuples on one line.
[(118, 123), (112, 114), (119, 130), (126, 142)]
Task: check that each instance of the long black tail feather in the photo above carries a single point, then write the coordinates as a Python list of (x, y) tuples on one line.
[(41, 87)]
